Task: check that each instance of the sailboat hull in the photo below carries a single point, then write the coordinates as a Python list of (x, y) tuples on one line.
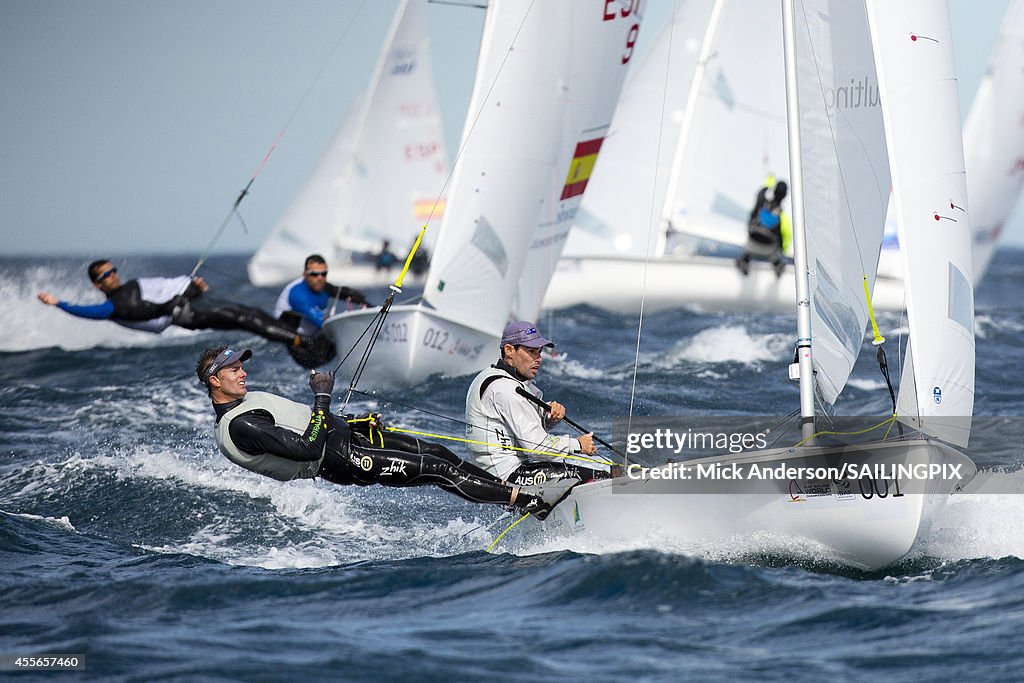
[(415, 343), (865, 523), (671, 282)]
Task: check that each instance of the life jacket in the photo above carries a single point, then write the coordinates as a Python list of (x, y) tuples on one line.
[(288, 414)]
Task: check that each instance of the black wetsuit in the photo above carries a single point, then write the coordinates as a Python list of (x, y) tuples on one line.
[(193, 313), (351, 458)]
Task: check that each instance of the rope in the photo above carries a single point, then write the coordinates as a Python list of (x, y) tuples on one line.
[(879, 339), (485, 443), (887, 421), (502, 534), (464, 423)]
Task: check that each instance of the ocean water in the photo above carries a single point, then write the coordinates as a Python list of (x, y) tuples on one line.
[(125, 537)]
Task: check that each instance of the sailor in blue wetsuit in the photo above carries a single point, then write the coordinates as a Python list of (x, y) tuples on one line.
[(153, 304), (303, 305), (768, 228), (286, 440)]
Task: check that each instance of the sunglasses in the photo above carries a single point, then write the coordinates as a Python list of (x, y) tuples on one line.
[(316, 273), (104, 275)]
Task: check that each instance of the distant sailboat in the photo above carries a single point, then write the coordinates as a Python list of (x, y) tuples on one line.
[(730, 141), (841, 179), (379, 177), (547, 81)]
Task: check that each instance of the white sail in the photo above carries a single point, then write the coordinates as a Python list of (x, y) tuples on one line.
[(616, 214), (599, 61), (542, 76), (993, 149), (380, 175), (917, 76), (994, 140), (736, 134), (845, 179), (532, 134)]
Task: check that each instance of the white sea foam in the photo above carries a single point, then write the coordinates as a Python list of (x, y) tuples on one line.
[(732, 344), (60, 522)]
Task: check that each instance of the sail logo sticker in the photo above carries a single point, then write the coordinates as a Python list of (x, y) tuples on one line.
[(581, 168), (937, 394)]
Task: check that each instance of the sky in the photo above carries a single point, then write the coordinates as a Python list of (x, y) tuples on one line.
[(131, 126)]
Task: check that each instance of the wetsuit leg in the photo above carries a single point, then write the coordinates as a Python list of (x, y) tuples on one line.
[(536, 473), (402, 469), (237, 317), (410, 444)]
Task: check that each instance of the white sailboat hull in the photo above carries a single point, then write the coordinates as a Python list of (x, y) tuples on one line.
[(415, 343), (867, 524), (618, 283)]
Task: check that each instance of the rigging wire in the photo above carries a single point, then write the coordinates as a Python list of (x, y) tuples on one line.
[(650, 225), (302, 100)]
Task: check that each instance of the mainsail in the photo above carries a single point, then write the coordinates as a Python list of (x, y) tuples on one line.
[(531, 139), (380, 175)]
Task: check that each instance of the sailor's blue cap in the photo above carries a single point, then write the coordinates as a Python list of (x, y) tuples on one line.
[(523, 333)]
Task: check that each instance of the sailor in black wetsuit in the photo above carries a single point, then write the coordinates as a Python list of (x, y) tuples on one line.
[(285, 440), (154, 304)]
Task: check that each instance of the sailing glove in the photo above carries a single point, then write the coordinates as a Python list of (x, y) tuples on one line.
[(322, 382)]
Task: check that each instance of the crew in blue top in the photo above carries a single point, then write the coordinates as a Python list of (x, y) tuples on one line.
[(303, 305), (769, 232)]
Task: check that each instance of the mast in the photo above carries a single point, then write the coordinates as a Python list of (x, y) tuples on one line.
[(687, 123), (803, 288)]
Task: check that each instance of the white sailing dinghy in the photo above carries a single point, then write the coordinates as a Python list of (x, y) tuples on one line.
[(731, 136), (547, 80), (378, 178), (840, 189)]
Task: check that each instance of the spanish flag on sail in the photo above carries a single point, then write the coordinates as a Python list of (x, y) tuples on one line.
[(583, 160)]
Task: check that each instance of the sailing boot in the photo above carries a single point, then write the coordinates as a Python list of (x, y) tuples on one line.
[(542, 499)]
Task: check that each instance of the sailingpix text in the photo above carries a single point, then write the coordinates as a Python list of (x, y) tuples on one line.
[(780, 471)]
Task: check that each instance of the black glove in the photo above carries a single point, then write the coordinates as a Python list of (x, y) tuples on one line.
[(322, 382)]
